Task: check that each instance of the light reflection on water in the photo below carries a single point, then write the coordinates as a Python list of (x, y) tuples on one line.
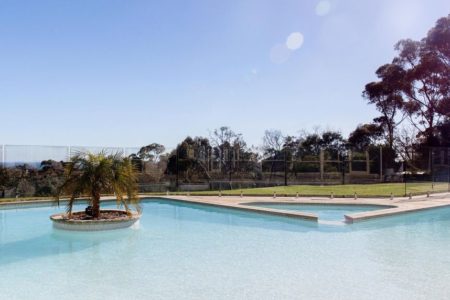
[(186, 251)]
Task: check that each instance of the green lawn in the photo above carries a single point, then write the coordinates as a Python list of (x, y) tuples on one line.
[(23, 199), (348, 190)]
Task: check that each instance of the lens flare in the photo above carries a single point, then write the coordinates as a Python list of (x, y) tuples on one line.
[(294, 41), (323, 8), (279, 53)]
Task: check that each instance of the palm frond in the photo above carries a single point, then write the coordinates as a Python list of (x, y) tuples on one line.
[(92, 174)]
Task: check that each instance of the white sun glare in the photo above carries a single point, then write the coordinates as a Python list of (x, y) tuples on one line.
[(279, 53), (294, 41), (323, 8)]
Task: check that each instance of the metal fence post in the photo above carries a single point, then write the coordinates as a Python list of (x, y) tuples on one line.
[(229, 165), (176, 165), (381, 163), (69, 153), (285, 168), (343, 167), (367, 162), (350, 160), (404, 174), (322, 163), (432, 167), (448, 168)]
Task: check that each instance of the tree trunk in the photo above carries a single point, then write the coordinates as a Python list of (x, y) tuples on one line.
[(391, 137), (96, 205)]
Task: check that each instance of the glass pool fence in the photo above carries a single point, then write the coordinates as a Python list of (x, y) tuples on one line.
[(36, 171)]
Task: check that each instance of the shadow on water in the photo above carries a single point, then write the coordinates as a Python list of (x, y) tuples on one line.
[(57, 242)]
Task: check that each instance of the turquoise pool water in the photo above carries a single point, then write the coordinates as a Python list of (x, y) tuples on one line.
[(182, 251), (327, 212)]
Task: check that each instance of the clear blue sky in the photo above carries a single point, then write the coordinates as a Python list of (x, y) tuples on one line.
[(130, 72)]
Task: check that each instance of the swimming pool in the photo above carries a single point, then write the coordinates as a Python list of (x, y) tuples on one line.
[(188, 251), (328, 212)]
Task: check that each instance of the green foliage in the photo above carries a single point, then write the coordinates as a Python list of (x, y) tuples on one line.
[(190, 159), (331, 167), (415, 85), (4, 178), (91, 175), (312, 144), (306, 167), (364, 136), (151, 152)]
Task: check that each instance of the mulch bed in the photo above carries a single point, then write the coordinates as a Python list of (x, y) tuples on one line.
[(104, 215)]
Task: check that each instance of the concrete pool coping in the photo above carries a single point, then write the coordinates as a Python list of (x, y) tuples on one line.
[(61, 221), (398, 205)]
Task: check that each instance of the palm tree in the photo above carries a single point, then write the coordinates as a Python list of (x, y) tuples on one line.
[(91, 175)]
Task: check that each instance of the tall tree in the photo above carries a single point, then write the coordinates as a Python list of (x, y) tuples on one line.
[(272, 146), (417, 83), (437, 40), (330, 141), (273, 141), (190, 159), (424, 90), (4, 181), (386, 96), (364, 136), (226, 146), (151, 152), (427, 67), (438, 43), (310, 144)]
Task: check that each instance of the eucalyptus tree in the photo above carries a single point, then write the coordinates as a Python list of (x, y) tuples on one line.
[(364, 136), (386, 95), (272, 148), (191, 159), (151, 152), (227, 146), (416, 84)]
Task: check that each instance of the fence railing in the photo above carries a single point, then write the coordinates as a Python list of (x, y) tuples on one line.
[(37, 170)]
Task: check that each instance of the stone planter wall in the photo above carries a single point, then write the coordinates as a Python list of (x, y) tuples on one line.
[(61, 222)]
